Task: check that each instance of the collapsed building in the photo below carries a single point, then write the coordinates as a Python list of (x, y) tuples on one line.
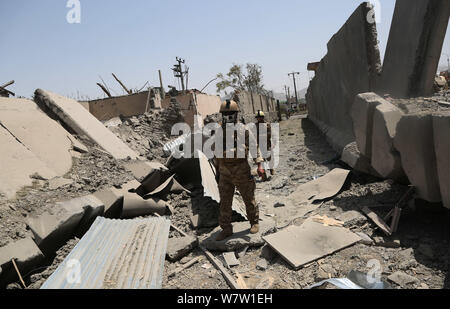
[(82, 157), (383, 118)]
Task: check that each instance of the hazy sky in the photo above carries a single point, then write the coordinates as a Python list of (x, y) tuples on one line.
[(133, 39)]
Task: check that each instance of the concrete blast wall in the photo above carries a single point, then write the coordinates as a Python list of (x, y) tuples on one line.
[(250, 103), (414, 47), (127, 106), (350, 67)]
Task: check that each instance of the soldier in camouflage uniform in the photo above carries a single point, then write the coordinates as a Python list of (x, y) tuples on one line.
[(234, 173)]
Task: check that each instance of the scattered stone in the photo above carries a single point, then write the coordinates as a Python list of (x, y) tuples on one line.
[(185, 260), (241, 237), (278, 204), (386, 242), (58, 182), (262, 265), (177, 248), (402, 279), (230, 259), (365, 239), (333, 208)]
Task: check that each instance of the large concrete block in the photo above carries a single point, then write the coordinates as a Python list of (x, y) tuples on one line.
[(441, 129), (113, 201), (350, 67), (26, 255), (17, 165), (83, 123), (385, 158), (353, 158), (43, 136), (362, 115), (67, 219), (414, 47), (414, 141), (177, 248)]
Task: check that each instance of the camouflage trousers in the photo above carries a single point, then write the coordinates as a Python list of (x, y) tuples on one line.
[(236, 174)]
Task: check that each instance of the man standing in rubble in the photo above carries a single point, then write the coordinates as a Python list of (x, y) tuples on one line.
[(234, 171), (264, 134)]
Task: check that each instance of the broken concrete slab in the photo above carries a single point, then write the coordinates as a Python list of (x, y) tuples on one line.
[(82, 122), (414, 140), (58, 182), (40, 134), (300, 245), (230, 259), (402, 279), (26, 255), (365, 239), (141, 169), (322, 188), (113, 201), (18, 164), (441, 129), (169, 186), (385, 158), (135, 206), (414, 47), (362, 115), (179, 247), (157, 176), (241, 237), (74, 217), (77, 145)]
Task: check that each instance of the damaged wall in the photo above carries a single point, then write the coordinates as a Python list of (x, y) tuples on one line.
[(414, 47), (250, 103), (192, 103), (350, 67), (407, 146), (126, 106)]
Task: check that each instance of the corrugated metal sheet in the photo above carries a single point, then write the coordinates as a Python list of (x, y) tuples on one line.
[(116, 254)]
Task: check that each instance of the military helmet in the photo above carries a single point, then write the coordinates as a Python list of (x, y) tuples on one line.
[(260, 114), (229, 106)]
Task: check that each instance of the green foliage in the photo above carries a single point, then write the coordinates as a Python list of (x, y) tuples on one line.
[(236, 79)]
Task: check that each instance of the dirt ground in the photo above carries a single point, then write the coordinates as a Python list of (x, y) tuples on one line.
[(421, 246), (419, 251)]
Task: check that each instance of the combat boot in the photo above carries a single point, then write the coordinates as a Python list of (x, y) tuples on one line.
[(254, 229), (224, 234)]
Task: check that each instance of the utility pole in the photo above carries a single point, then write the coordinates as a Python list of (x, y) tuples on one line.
[(295, 86), (178, 71), (286, 93)]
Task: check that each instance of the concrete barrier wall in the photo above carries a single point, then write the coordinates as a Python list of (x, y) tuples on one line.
[(411, 148), (249, 103), (350, 67), (127, 106), (414, 47)]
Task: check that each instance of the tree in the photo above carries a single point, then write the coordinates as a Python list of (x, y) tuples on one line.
[(236, 79)]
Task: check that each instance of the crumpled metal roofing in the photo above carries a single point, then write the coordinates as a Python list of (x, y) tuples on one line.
[(116, 254)]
